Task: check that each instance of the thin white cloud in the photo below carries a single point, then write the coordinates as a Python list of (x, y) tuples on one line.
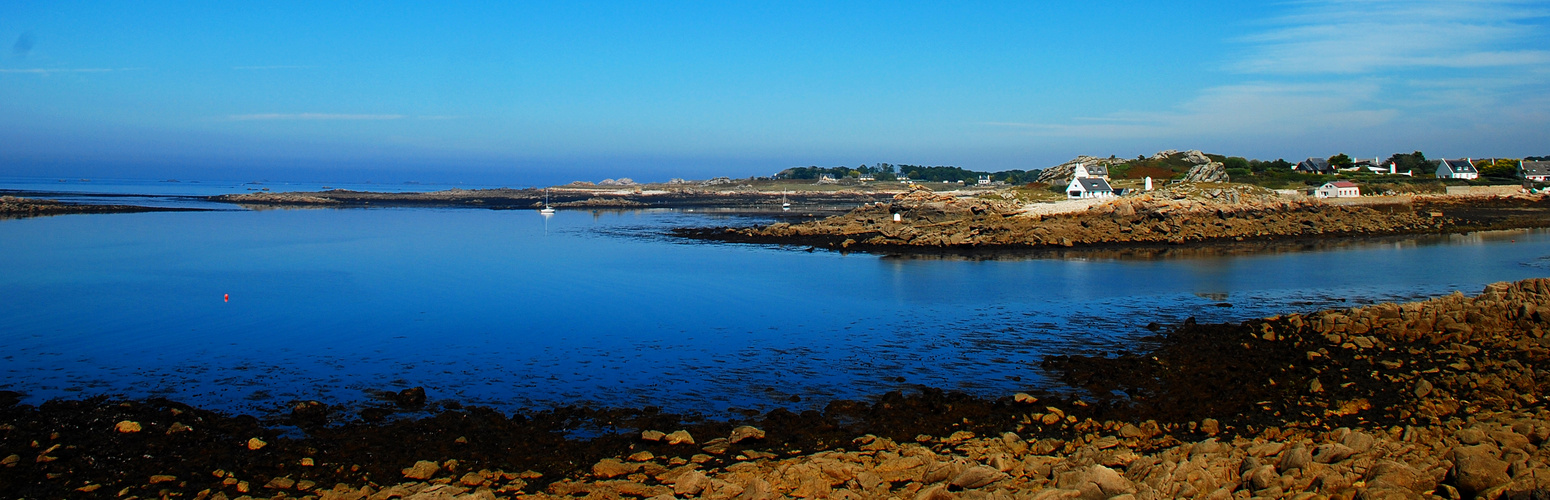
[(1252, 108), (259, 68), (50, 71), (311, 116), (1361, 36), (1360, 66)]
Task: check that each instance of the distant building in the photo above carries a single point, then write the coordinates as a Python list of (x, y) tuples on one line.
[(1082, 170), (866, 178), (1537, 171), (1089, 187), (1314, 166), (1456, 169), (984, 180), (1338, 189)]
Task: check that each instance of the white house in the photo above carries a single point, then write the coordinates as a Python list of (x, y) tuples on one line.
[(1089, 187), (1456, 169), (1083, 170), (1537, 171), (984, 180), (1338, 189)]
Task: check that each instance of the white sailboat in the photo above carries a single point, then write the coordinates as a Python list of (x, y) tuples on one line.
[(784, 205), (547, 210)]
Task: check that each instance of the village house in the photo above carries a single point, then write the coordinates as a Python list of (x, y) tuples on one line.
[(984, 180), (1456, 169), (1314, 166), (1338, 189), (1098, 171), (1088, 187), (1537, 171)]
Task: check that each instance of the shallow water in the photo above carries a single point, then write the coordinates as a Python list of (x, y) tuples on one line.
[(512, 310)]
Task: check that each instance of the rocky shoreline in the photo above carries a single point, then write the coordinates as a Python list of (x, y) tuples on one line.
[(512, 199), (934, 222), (13, 207), (1436, 399)]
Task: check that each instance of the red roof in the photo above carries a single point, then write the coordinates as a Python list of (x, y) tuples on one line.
[(1344, 184)]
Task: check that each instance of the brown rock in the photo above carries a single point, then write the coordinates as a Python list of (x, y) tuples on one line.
[(652, 435), (679, 437), (127, 427), (745, 432), (1477, 468), (422, 470), (612, 467), (161, 478), (280, 483), (255, 444), (977, 476), (690, 483)]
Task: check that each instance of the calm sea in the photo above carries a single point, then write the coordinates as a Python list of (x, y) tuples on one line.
[(248, 310)]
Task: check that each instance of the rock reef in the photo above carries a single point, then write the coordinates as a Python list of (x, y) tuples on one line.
[(1211, 212)]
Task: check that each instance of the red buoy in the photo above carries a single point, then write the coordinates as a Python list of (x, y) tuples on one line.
[(226, 297)]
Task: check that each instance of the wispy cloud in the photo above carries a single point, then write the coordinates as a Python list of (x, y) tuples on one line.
[(1358, 65), (311, 116), (1250, 108), (1373, 35), (50, 71), (259, 68)]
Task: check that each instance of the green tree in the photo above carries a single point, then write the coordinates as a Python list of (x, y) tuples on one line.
[(1340, 161), (1501, 168), (1413, 162)]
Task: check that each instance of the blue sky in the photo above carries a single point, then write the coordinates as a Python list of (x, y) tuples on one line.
[(520, 92)]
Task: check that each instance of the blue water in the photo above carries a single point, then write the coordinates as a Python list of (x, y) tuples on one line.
[(188, 193), (513, 310)]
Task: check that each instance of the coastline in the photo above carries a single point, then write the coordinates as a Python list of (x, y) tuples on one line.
[(926, 222), (1436, 398), (12, 207)]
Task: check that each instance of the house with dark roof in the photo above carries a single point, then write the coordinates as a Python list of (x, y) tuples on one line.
[(1088, 187), (1338, 189), (1456, 169), (1314, 166), (1537, 171)]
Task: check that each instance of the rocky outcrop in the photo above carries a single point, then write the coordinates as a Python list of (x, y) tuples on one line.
[(19, 207), (1061, 174), (1211, 171), (928, 219)]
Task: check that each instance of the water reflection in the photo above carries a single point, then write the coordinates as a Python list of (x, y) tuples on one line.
[(510, 310)]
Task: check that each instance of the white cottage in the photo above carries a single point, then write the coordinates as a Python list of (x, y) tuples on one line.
[(1089, 187), (1082, 170), (1456, 169), (1338, 189)]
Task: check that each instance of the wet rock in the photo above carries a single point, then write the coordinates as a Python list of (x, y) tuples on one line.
[(613, 467), (652, 435), (127, 427), (256, 444), (411, 398)]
